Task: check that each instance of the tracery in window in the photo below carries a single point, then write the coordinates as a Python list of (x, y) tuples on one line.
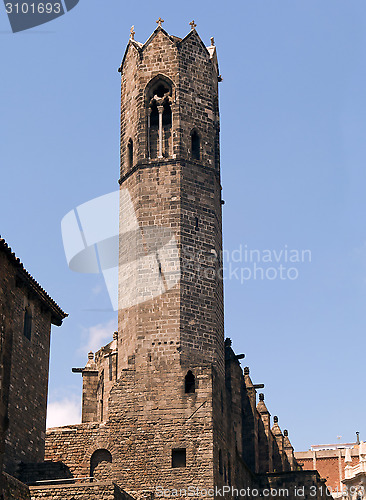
[(159, 116)]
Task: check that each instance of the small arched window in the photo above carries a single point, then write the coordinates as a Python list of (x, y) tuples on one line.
[(98, 457), (27, 323), (195, 145), (130, 153), (190, 383)]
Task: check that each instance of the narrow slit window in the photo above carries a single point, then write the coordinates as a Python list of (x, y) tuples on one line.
[(221, 470), (190, 383), (100, 390), (179, 457), (28, 323), (196, 145), (130, 153)]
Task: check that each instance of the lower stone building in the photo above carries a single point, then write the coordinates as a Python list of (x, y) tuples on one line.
[(103, 490), (143, 453), (26, 315)]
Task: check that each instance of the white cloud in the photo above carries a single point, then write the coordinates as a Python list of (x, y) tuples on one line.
[(97, 336), (64, 412)]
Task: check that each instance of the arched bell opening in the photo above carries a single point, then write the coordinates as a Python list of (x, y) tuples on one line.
[(159, 118)]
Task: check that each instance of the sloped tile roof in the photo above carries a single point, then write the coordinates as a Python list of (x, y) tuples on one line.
[(58, 315)]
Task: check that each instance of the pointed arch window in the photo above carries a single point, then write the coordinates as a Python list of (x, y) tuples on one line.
[(190, 383), (159, 116), (195, 145)]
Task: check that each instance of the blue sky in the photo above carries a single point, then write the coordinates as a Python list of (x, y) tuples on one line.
[(293, 127)]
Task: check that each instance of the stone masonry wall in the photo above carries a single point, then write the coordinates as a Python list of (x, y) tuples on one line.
[(149, 415), (98, 491), (6, 339), (294, 485), (198, 100), (29, 370), (148, 325), (147, 421), (14, 489)]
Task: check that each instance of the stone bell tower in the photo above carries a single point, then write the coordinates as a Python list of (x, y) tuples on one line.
[(166, 405), (170, 326), (170, 286)]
